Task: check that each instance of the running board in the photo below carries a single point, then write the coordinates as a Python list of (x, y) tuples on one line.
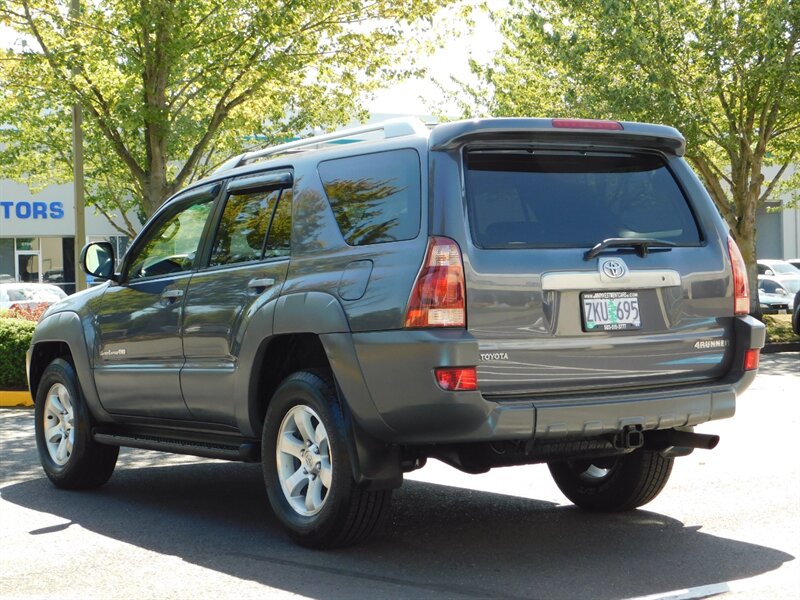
[(247, 451)]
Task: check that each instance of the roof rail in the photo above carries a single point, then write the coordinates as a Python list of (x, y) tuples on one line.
[(390, 128)]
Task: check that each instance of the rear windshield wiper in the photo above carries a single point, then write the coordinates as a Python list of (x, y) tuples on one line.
[(642, 245)]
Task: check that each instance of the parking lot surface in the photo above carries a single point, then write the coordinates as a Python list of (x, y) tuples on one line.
[(727, 525)]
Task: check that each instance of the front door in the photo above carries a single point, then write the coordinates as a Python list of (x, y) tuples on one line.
[(140, 354)]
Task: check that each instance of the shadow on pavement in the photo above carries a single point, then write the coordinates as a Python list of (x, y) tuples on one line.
[(780, 364), (439, 542)]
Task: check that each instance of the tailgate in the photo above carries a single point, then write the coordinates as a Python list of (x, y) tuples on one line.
[(551, 317)]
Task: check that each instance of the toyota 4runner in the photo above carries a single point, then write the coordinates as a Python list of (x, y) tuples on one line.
[(488, 293)]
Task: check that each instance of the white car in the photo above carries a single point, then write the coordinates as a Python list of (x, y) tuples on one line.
[(29, 295), (782, 271), (795, 262)]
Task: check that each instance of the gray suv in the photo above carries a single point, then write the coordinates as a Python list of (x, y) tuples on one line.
[(488, 293)]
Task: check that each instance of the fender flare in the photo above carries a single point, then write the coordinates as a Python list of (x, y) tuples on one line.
[(68, 328), (374, 461)]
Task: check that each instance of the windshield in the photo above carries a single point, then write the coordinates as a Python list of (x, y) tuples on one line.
[(521, 198), (784, 269)]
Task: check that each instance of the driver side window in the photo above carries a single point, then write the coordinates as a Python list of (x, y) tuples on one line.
[(171, 246)]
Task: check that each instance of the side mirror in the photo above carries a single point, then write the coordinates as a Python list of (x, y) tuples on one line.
[(97, 259), (769, 272)]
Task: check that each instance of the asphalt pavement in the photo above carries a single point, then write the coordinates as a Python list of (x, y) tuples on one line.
[(727, 525)]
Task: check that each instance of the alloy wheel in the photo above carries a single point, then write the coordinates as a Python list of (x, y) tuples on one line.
[(303, 456)]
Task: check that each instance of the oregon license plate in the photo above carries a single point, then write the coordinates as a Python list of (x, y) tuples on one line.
[(610, 311)]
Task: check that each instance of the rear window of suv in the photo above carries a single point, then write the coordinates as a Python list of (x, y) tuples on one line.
[(566, 199), (375, 198)]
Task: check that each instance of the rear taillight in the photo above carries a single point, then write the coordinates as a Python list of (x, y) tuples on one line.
[(751, 359), (437, 298), (458, 379), (587, 124), (741, 290)]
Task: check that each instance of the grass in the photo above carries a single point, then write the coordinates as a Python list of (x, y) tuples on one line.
[(779, 329)]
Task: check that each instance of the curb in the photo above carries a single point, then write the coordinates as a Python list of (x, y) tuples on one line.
[(10, 399), (783, 347)]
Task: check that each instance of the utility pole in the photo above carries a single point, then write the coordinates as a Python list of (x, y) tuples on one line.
[(77, 174)]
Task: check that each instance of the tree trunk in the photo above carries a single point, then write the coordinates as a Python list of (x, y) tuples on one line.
[(155, 192)]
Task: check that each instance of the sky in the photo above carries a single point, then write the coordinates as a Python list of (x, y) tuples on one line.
[(421, 97)]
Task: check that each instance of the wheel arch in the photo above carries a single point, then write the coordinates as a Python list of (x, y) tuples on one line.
[(62, 335), (323, 342)]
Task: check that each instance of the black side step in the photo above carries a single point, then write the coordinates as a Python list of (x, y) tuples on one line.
[(247, 451)]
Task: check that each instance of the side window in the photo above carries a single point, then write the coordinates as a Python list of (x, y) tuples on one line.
[(243, 227), (279, 242), (171, 246), (375, 197)]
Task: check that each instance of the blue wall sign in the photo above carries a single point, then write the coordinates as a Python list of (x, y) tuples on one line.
[(31, 210)]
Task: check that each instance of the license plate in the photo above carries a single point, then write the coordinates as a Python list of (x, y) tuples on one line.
[(610, 311)]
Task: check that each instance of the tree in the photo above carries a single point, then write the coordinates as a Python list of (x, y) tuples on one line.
[(726, 73), (170, 88)]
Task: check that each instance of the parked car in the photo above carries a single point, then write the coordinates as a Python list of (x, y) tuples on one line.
[(795, 262), (796, 314), (29, 295), (488, 293), (782, 271), (773, 297), (54, 276)]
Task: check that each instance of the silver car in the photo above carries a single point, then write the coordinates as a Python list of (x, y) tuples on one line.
[(781, 271), (773, 296)]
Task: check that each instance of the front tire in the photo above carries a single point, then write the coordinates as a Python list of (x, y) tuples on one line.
[(71, 459), (613, 484), (307, 467)]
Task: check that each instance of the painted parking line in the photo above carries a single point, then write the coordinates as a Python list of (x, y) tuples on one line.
[(758, 586), (702, 591)]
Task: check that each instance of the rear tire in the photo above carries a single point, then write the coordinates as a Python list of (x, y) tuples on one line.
[(613, 484), (308, 470), (71, 459)]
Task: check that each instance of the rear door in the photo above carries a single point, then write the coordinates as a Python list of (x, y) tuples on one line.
[(244, 271), (551, 317)]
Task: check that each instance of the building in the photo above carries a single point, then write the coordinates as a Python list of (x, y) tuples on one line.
[(37, 234), (778, 230)]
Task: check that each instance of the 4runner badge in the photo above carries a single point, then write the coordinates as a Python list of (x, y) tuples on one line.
[(710, 344), (494, 355)]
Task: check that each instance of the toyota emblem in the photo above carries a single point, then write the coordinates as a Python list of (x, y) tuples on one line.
[(613, 268)]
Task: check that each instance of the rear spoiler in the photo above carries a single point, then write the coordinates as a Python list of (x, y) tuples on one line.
[(450, 136)]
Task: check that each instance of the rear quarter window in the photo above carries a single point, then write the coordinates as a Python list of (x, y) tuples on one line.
[(375, 198), (522, 198)]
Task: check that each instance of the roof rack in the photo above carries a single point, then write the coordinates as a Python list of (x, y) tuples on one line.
[(390, 128)]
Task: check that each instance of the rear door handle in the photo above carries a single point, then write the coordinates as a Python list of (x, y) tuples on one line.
[(170, 296), (260, 284)]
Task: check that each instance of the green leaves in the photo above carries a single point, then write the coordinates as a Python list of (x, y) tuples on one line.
[(726, 73), (170, 89)]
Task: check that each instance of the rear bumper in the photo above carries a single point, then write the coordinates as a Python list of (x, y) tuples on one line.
[(397, 368)]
